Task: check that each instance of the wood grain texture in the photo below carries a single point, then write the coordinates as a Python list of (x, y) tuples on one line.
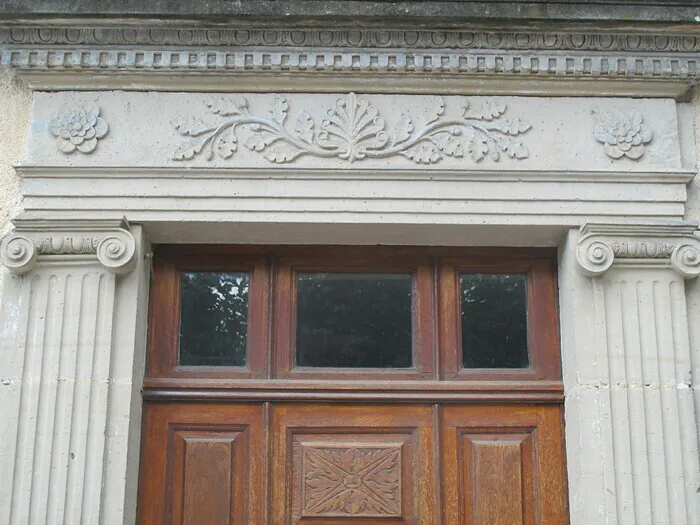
[(436, 309), (542, 318), (503, 464), (363, 464), (423, 314), (204, 463), (275, 444), (164, 329), (201, 464)]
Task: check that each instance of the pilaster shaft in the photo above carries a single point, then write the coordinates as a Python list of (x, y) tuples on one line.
[(631, 434), (67, 376)]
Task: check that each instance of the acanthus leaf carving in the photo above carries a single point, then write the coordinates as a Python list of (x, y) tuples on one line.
[(354, 130)]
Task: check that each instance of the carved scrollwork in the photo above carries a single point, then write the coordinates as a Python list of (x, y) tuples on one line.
[(18, 253), (113, 246), (117, 252), (599, 246), (354, 130), (594, 257), (685, 259)]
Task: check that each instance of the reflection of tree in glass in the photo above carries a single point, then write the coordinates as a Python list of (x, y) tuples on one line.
[(214, 319), (494, 321), (354, 320)]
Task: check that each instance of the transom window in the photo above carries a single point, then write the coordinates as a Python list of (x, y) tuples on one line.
[(354, 313)]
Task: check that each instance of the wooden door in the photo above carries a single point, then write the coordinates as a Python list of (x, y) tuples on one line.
[(263, 440)]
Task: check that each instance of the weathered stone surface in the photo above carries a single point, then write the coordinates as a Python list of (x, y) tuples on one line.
[(358, 12), (513, 133)]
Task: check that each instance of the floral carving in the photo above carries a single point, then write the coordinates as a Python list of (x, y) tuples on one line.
[(78, 128), (354, 130), (623, 135), (358, 482)]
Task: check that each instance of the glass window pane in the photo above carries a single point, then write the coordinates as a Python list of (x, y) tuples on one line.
[(213, 319), (494, 321), (354, 320)]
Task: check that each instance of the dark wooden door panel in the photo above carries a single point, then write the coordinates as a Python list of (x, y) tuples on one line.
[(353, 465), (202, 464), (503, 465)]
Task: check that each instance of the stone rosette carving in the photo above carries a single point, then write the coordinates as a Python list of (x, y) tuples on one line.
[(676, 246), (78, 128), (114, 248), (624, 135), (355, 482), (354, 130)]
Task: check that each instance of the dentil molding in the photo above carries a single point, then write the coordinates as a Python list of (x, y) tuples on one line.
[(185, 58), (674, 245), (107, 241)]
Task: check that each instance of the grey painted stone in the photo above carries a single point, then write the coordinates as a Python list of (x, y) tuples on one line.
[(355, 12)]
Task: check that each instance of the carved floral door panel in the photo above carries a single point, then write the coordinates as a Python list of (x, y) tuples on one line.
[(353, 464)]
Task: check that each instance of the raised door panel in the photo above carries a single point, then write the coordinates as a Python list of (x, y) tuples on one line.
[(203, 465), (503, 465), (353, 464)]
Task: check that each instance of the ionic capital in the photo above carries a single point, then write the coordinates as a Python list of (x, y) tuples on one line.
[(654, 245), (31, 241)]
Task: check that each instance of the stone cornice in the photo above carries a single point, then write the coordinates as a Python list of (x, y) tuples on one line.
[(107, 241), (365, 12), (674, 245), (415, 39), (166, 57)]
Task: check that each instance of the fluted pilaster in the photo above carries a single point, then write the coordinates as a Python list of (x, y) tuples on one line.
[(631, 438), (68, 389)]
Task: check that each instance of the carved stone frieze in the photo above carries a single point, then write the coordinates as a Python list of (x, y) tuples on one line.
[(677, 246), (111, 244), (355, 482), (624, 135), (354, 130), (78, 128)]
